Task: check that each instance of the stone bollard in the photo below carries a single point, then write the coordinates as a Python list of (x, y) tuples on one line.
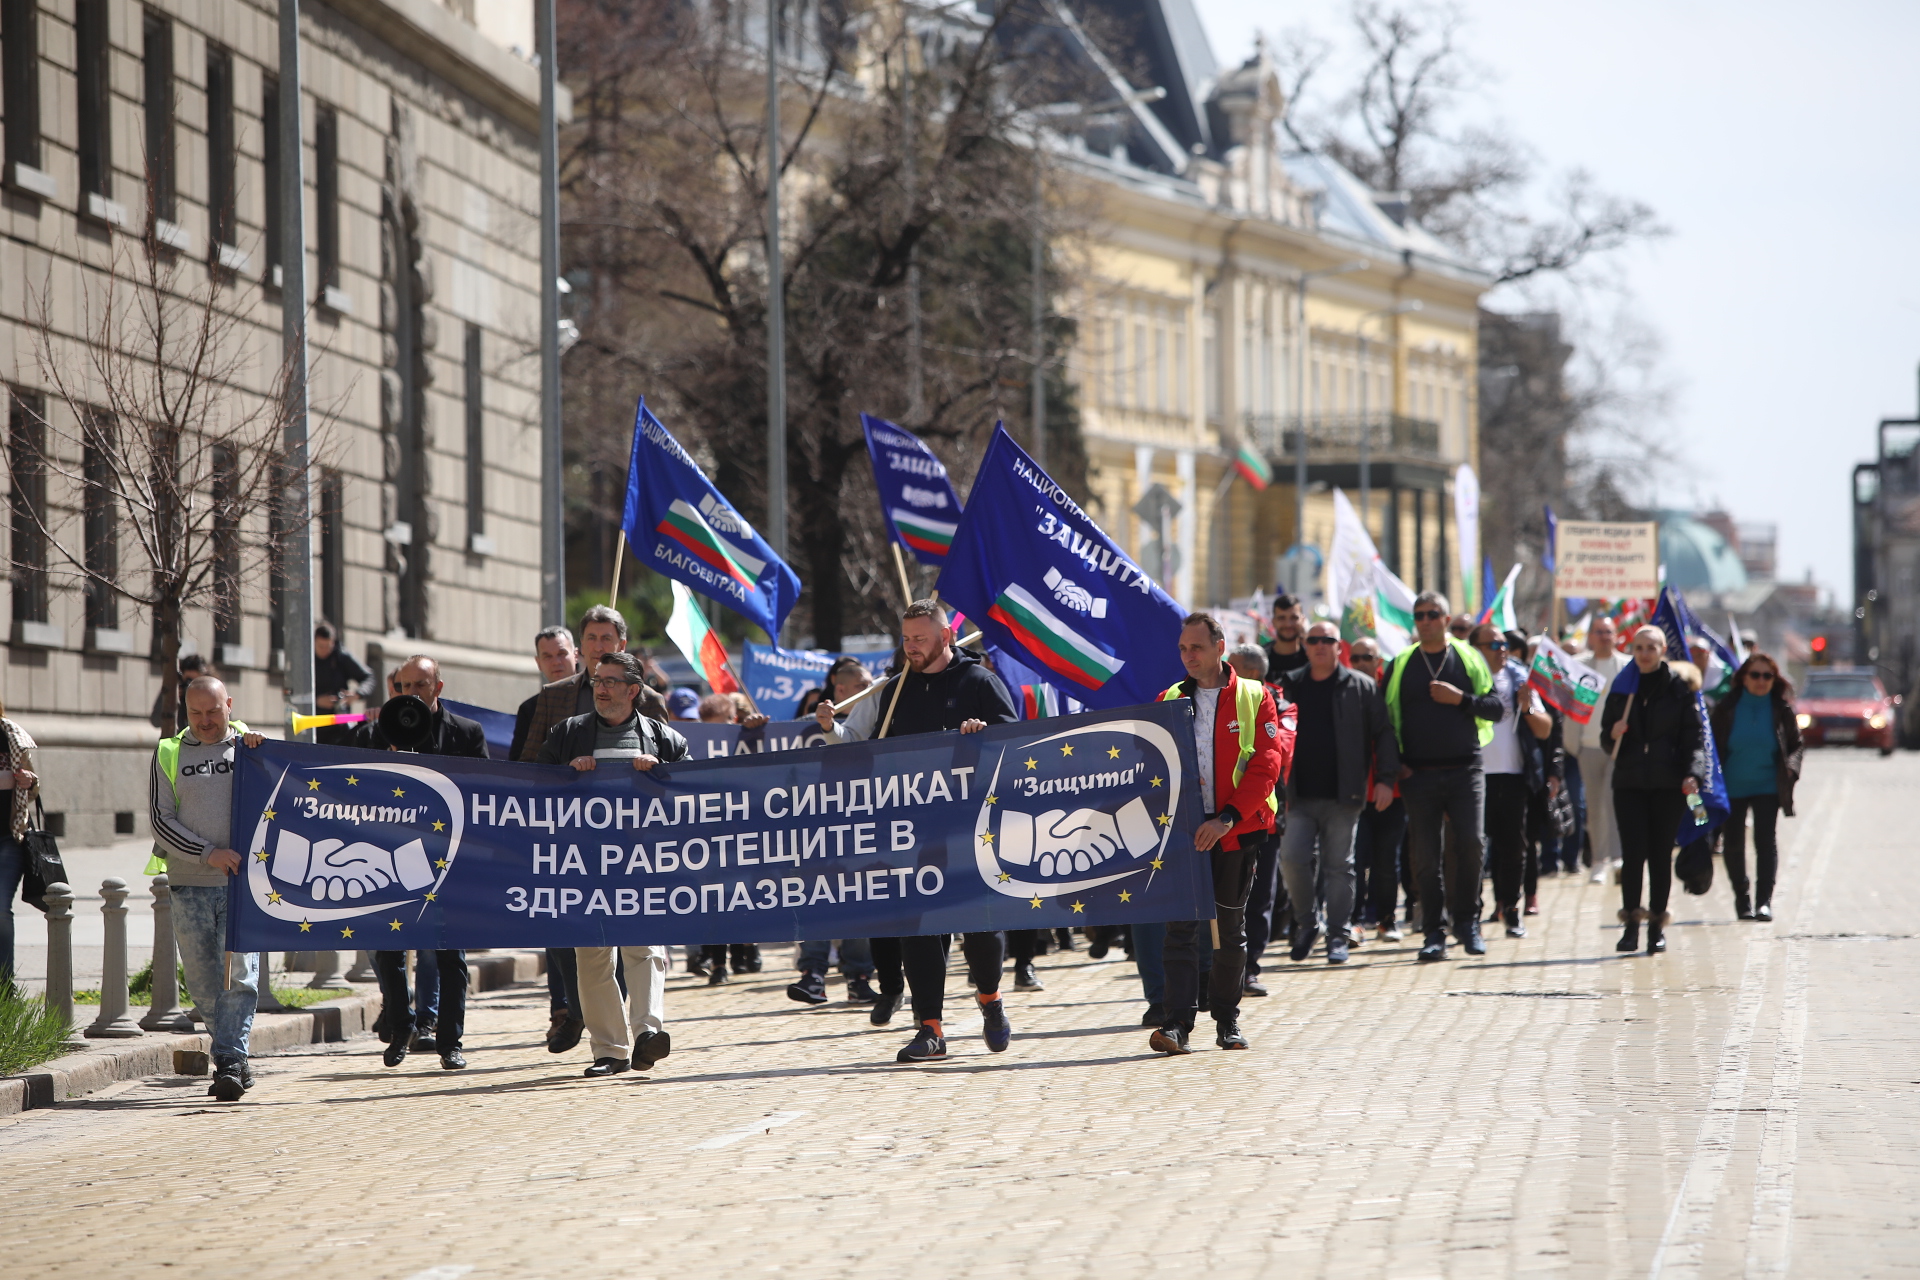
[(59, 997), (113, 1022), (362, 970), (165, 1013), (326, 973), (264, 1001)]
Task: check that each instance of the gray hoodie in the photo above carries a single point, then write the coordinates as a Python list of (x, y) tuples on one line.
[(194, 816)]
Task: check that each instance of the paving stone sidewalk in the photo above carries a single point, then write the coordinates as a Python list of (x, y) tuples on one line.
[(1744, 1105)]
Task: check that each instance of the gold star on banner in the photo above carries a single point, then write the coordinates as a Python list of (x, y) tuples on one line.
[(440, 863), (439, 826), (1079, 907), (270, 815), (1157, 864), (993, 799), (987, 836), (305, 927), (1156, 781), (1004, 877), (313, 784), (1035, 903), (260, 855), (347, 932), (352, 781), (432, 897), (1031, 762), (1125, 896), (1066, 748), (274, 897), (1166, 819), (1113, 753), (394, 925), (398, 792)]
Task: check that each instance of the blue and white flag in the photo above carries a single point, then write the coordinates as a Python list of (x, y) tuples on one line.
[(1076, 820), (777, 677), (1673, 616), (1042, 581), (1714, 794), (678, 525), (916, 496)]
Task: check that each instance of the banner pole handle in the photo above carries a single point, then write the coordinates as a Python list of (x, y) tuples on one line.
[(899, 683), (619, 554), (906, 584), (878, 685)]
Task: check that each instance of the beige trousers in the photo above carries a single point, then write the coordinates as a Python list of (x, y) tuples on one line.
[(646, 1007), (1596, 775)]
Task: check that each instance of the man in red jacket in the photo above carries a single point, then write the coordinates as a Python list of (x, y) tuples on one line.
[(1243, 750)]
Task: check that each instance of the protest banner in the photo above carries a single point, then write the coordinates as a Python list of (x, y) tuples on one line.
[(718, 741), (776, 677), (1566, 682), (1074, 820), (916, 497), (1607, 561)]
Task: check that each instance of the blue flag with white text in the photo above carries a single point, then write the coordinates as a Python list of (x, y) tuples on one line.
[(1045, 583), (678, 525), (917, 498)]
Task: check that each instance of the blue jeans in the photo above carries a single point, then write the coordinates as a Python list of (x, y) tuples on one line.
[(13, 865), (856, 957), (200, 931), (426, 986), (397, 1017), (1569, 848)]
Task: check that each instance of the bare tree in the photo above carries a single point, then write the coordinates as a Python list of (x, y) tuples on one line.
[(166, 429), (912, 204)]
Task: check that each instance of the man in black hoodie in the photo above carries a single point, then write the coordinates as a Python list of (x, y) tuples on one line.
[(942, 689)]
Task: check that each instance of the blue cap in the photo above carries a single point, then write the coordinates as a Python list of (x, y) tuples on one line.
[(683, 704)]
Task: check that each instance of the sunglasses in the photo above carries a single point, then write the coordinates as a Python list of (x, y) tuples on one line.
[(1427, 615), (1322, 640), (1494, 644), (1759, 675), (1365, 657)]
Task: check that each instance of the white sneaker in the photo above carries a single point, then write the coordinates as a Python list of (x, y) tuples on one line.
[(1599, 876), (1392, 933)]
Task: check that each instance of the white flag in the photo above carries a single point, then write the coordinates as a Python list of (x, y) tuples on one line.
[(1466, 530)]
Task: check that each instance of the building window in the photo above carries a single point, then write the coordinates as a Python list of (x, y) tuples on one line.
[(100, 523), (95, 87), (270, 169), (326, 190), (333, 548), (1180, 370), (1160, 402), (226, 550), (476, 440), (157, 66), (20, 65), (1142, 372), (27, 466), (221, 159), (1210, 362), (1119, 363)]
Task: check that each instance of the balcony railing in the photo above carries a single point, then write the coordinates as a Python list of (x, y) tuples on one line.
[(1339, 435)]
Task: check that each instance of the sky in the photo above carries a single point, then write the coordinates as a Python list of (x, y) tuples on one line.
[(1777, 142)]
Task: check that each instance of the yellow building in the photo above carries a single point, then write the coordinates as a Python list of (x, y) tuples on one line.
[(1212, 245)]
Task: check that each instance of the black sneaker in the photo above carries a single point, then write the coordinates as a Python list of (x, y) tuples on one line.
[(564, 1034), (396, 1053), (1156, 1015), (227, 1085), (811, 989), (605, 1067), (1434, 949), (1514, 928), (649, 1047), (1303, 940), (1097, 945), (1336, 950), (423, 1041), (453, 1060), (1063, 938), (1473, 943), (860, 991), (1227, 1035), (885, 1007), (696, 962), (1252, 987), (994, 1028), (717, 975), (1025, 979), (926, 1046), (746, 958), (1170, 1040), (246, 1074)]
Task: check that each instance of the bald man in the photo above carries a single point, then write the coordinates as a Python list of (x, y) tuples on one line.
[(447, 733)]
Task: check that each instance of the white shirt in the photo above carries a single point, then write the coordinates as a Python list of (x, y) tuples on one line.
[(1502, 755), (1588, 737), (1206, 709)]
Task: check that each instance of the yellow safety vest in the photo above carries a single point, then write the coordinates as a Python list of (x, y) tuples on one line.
[(1247, 697)]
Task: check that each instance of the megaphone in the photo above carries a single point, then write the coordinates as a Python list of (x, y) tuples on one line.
[(406, 722)]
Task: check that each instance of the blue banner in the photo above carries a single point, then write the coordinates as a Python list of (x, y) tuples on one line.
[(1046, 584), (1082, 819), (1034, 696), (1673, 616), (916, 497), (498, 725), (717, 741), (678, 525), (775, 677)]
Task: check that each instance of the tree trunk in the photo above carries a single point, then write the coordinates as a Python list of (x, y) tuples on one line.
[(166, 626)]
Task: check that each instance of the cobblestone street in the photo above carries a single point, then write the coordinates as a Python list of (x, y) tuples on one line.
[(1745, 1104)]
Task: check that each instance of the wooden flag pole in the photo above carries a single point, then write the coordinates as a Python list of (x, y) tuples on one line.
[(619, 554), (906, 584)]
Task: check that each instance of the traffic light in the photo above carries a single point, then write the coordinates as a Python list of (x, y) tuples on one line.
[(1821, 654)]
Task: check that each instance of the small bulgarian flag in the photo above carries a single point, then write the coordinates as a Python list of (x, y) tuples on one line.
[(933, 537), (688, 629), (1252, 467), (690, 529), (1052, 641)]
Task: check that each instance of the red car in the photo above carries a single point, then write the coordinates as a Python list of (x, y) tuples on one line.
[(1847, 709)]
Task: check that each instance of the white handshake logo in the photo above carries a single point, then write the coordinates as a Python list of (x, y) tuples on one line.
[(335, 871), (1061, 842)]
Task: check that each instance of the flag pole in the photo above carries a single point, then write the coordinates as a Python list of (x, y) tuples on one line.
[(906, 584), (619, 554)]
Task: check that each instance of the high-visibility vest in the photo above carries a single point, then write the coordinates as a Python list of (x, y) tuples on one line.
[(1247, 697), (1477, 673), (169, 755)]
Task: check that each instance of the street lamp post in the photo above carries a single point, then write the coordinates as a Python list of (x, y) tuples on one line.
[(297, 553), (553, 544), (776, 530)]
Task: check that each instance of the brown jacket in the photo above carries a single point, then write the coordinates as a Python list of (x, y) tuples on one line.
[(561, 701)]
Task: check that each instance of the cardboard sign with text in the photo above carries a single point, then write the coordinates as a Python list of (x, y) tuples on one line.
[(1607, 561)]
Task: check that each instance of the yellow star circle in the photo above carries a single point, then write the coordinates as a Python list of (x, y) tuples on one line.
[(1031, 762), (1155, 781), (271, 815), (394, 925), (1004, 877), (1157, 864), (432, 897), (260, 855), (1165, 819), (347, 932), (397, 791), (1125, 896), (987, 837), (993, 799), (305, 927), (313, 784), (352, 781), (1113, 753), (1079, 907), (274, 898), (439, 826), (440, 863), (1066, 748), (1035, 902)]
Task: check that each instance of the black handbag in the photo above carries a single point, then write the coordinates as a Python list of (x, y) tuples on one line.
[(43, 859), (1694, 865)]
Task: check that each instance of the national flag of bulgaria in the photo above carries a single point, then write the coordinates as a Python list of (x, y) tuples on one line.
[(688, 629), (930, 536), (1052, 641), (1252, 467), (1039, 701), (690, 529)]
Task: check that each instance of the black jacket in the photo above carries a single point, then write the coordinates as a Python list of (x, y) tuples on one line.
[(1786, 735), (1363, 743), (963, 690), (522, 721), (448, 735), (1664, 745), (575, 737)]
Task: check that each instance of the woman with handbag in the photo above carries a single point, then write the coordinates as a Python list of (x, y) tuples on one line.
[(1759, 739), (18, 784)]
